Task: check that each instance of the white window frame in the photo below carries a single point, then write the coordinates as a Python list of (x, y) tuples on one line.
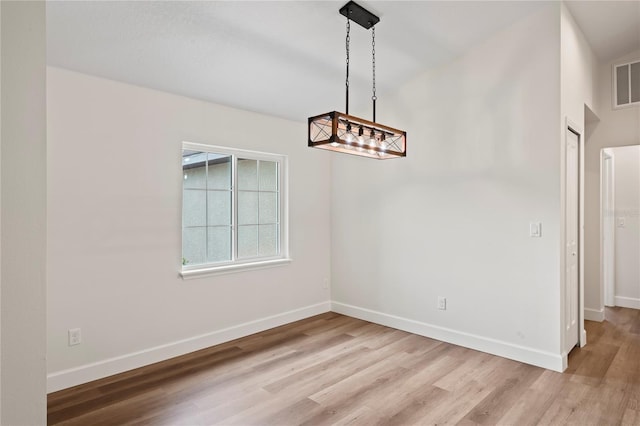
[(235, 265), (614, 93)]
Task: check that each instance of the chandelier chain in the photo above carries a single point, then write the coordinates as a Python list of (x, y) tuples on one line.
[(347, 40), (373, 60)]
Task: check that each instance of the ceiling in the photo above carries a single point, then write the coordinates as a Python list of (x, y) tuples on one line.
[(612, 28), (286, 58)]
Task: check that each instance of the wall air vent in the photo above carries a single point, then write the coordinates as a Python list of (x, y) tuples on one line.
[(626, 84)]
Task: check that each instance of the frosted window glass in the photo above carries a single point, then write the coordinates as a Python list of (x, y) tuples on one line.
[(247, 241), (194, 178), (268, 171), (219, 244), (622, 81), (635, 82), (194, 204), (219, 172), (268, 207), (219, 208), (194, 245), (247, 208), (268, 240), (247, 174)]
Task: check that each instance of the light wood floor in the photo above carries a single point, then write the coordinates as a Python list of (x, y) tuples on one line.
[(332, 369)]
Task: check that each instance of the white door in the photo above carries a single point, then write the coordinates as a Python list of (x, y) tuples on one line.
[(571, 238), (608, 230)]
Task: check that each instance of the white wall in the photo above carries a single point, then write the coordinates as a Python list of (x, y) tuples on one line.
[(114, 227), (452, 219), (627, 234), (579, 68), (23, 200), (616, 127)]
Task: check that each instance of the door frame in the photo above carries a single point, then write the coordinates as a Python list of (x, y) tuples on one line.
[(607, 231), (570, 126)]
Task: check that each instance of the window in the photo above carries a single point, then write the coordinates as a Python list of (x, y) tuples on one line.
[(233, 209), (626, 83)]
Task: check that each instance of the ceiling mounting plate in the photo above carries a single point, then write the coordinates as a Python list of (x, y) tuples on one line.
[(359, 15)]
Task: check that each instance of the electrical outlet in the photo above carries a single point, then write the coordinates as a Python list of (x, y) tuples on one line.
[(75, 337), (325, 284), (442, 303)]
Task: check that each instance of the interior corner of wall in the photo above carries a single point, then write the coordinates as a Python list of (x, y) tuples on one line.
[(590, 111)]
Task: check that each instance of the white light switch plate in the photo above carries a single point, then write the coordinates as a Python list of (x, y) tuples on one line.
[(535, 229)]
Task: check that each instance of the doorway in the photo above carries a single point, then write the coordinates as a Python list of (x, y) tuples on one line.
[(572, 253), (620, 226)]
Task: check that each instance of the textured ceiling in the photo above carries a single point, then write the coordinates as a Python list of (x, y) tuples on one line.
[(282, 58)]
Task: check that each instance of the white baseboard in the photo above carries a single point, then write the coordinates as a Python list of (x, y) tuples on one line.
[(524, 354), (594, 314), (97, 370), (627, 302)]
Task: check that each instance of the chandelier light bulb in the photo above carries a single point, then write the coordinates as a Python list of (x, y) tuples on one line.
[(361, 136), (372, 139), (349, 137)]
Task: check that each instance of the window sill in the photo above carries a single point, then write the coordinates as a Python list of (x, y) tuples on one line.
[(230, 269)]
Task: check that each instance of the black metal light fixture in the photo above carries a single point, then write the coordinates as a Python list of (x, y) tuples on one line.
[(341, 132)]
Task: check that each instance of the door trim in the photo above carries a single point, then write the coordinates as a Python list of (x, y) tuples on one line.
[(607, 256)]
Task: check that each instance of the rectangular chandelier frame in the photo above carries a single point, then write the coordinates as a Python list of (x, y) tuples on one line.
[(339, 132)]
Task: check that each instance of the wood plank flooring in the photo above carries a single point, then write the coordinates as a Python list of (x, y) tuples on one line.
[(332, 369)]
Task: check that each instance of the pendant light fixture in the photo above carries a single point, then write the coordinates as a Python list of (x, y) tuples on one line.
[(341, 132)]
